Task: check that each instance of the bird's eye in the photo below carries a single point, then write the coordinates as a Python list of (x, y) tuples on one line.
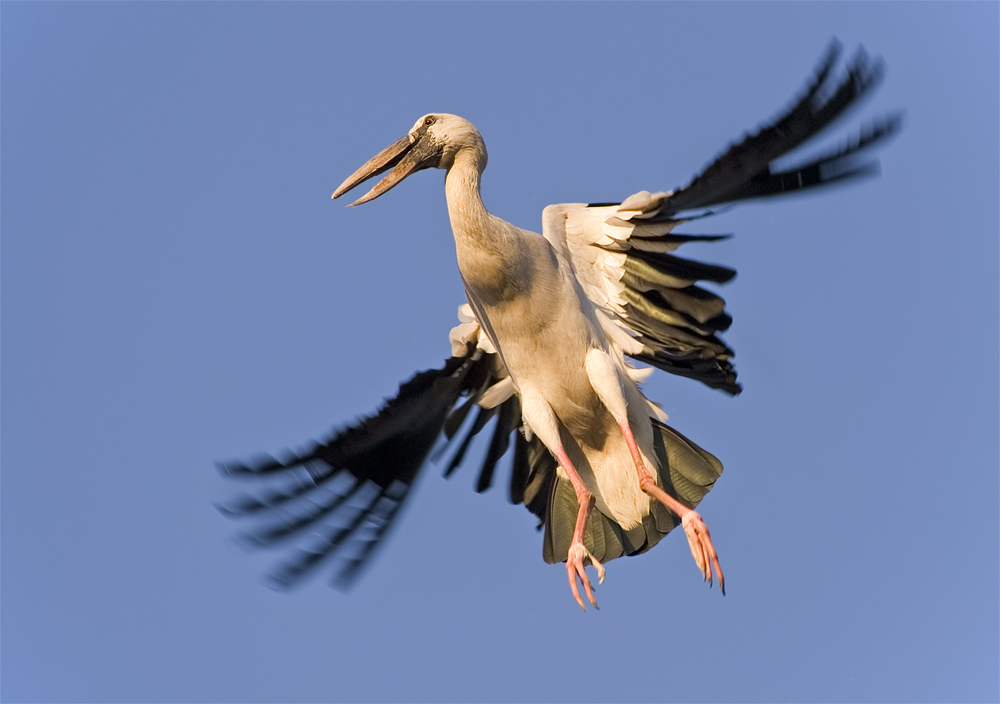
[(429, 121)]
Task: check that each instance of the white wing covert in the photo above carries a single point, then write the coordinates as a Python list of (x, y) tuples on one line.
[(648, 298)]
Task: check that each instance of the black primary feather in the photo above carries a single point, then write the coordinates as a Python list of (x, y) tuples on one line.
[(350, 487), (742, 170)]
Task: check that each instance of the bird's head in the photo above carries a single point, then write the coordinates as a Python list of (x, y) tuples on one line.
[(433, 142)]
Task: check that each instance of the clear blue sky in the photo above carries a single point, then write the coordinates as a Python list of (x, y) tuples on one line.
[(177, 289)]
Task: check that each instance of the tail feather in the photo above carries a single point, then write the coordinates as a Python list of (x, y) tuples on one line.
[(686, 471)]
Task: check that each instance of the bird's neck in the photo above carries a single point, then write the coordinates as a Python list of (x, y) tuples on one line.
[(484, 244), (469, 217)]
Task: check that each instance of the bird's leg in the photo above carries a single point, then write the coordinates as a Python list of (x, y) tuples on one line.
[(578, 555), (695, 529), (542, 421), (607, 382)]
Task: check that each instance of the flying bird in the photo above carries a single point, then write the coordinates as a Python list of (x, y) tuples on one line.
[(546, 347)]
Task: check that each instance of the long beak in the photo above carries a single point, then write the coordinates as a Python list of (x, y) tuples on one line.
[(400, 154)]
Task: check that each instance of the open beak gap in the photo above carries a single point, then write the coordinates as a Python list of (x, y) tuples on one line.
[(393, 155)]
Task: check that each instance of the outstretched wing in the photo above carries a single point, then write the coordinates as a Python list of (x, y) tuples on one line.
[(347, 491), (621, 253)]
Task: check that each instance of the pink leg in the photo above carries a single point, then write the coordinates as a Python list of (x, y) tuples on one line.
[(695, 529), (578, 555)]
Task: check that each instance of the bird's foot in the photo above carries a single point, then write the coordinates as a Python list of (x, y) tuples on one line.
[(695, 529), (702, 548), (576, 560)]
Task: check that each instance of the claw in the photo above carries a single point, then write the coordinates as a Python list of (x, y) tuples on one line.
[(702, 549), (600, 569)]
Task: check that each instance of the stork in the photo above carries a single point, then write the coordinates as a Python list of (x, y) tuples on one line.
[(545, 346)]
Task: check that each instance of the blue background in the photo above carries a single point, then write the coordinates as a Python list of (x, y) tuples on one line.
[(177, 288)]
